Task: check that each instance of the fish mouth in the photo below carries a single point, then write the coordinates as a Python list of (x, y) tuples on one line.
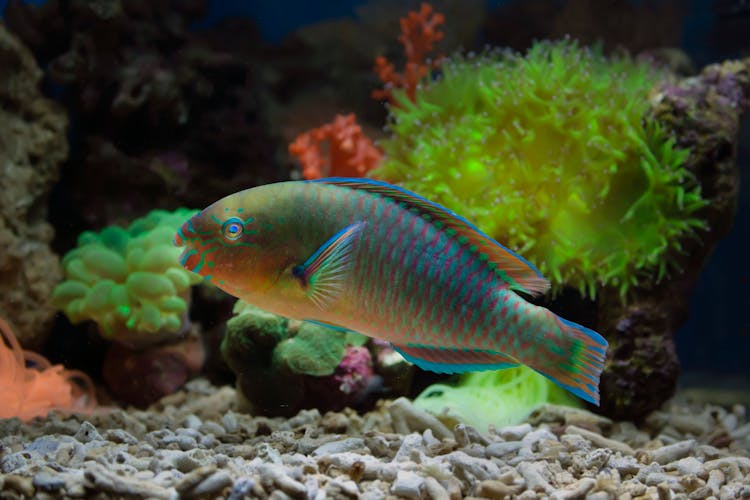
[(193, 257), (198, 259), (178, 241), (190, 259), (186, 233)]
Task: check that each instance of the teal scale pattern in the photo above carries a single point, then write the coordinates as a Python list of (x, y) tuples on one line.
[(437, 293)]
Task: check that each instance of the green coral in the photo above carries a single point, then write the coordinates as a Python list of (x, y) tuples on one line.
[(310, 352), (129, 280), (277, 360), (259, 339), (499, 398), (555, 156)]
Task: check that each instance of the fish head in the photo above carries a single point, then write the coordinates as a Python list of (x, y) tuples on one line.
[(234, 244)]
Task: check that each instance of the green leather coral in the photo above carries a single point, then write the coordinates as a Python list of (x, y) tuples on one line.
[(553, 155), (129, 280)]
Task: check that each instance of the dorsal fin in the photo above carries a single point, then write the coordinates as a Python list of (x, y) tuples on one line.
[(511, 267)]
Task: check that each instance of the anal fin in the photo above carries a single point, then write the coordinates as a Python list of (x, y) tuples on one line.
[(447, 360)]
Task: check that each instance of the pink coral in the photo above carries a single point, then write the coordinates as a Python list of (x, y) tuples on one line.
[(350, 153), (347, 386), (354, 372), (29, 392)]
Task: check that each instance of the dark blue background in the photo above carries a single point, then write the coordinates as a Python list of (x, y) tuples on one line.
[(717, 337)]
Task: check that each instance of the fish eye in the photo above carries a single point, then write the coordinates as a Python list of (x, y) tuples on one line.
[(232, 228)]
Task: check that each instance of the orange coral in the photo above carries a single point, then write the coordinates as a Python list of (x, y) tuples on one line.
[(32, 392), (349, 152), (419, 31)]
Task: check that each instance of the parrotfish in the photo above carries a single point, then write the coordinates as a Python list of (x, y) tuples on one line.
[(377, 259)]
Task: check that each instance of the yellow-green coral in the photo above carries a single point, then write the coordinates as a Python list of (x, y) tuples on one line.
[(553, 154), (499, 398), (129, 280)]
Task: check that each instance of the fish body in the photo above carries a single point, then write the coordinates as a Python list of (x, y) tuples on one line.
[(385, 262)]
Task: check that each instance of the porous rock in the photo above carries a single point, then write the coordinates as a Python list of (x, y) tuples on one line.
[(32, 147), (703, 113)]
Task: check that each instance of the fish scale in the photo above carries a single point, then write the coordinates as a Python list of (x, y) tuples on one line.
[(430, 281), (383, 261)]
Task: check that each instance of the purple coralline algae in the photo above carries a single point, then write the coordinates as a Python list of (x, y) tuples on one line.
[(704, 113)]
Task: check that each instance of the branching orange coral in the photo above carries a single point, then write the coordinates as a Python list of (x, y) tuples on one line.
[(349, 152), (28, 392), (419, 32)]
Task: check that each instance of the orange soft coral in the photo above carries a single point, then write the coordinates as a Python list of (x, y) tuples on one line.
[(32, 392), (349, 152), (419, 32)]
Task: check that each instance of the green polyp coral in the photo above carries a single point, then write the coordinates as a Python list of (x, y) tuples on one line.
[(285, 365), (499, 398), (554, 155), (257, 339), (129, 280), (311, 352)]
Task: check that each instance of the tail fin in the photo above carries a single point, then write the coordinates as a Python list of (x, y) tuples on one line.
[(573, 360)]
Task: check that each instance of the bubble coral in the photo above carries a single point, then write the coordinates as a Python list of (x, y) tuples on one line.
[(552, 154), (31, 386), (129, 280)]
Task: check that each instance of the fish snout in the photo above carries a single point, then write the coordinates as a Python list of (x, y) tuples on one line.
[(190, 259), (177, 240), (184, 237), (184, 234)]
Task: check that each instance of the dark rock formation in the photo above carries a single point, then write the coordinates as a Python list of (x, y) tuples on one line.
[(642, 366), (163, 115)]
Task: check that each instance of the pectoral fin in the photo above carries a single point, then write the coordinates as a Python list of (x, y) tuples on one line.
[(324, 273)]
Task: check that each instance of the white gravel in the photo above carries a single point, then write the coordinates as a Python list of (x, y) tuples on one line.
[(194, 445)]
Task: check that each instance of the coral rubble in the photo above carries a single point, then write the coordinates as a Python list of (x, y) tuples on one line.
[(194, 444), (32, 147)]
